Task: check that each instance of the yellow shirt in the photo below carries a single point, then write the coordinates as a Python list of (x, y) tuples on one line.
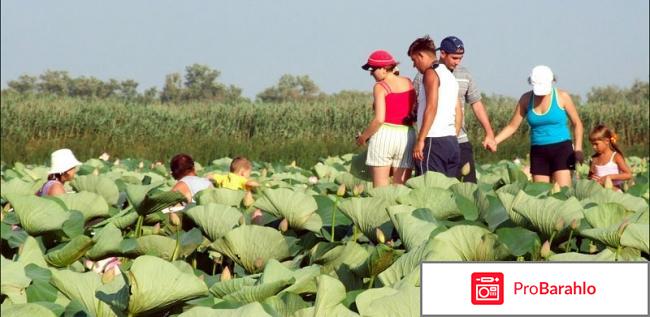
[(230, 181)]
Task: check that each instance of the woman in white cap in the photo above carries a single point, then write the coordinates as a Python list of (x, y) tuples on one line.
[(390, 132), (548, 110), (63, 169)]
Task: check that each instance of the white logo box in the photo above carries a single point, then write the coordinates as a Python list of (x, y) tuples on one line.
[(602, 288)]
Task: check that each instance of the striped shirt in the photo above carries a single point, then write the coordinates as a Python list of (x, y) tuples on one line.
[(468, 93)]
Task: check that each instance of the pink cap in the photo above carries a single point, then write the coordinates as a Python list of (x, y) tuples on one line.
[(379, 58)]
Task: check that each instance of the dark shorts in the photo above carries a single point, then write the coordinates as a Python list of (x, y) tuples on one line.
[(441, 154), (467, 156), (548, 158)]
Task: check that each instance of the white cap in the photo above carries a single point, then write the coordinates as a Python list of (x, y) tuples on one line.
[(62, 160), (541, 77)]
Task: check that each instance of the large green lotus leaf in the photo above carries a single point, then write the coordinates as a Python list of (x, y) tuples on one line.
[(115, 293), (257, 293), (431, 180), (155, 201), (329, 296), (413, 230), (215, 220), (358, 166), (69, 253), (222, 196), (398, 209), (107, 243), (389, 302), (606, 255), (327, 206), (467, 243), (389, 193), (641, 217), (610, 236), (91, 205), (636, 235), (508, 201), (30, 252), (137, 193), (405, 264), (252, 246), (545, 213), (349, 180), (81, 287), (223, 288), (587, 188), (305, 278), (628, 201), (333, 256), (125, 220), (326, 172), (29, 309), (440, 201), (298, 208), (285, 304), (605, 215), (38, 215), (519, 241), (17, 186), (98, 184), (381, 257), (253, 309), (476, 198), (155, 245), (368, 214), (13, 281), (156, 283), (496, 213)]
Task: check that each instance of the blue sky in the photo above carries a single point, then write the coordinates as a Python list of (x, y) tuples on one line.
[(586, 42)]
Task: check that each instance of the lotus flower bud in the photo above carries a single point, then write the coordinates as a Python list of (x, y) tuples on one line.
[(622, 227), (545, 252), (608, 183), (117, 162), (556, 188), (259, 263), (156, 228), (225, 274), (559, 224), (141, 165), (626, 186), (380, 235), (263, 172), (108, 276), (592, 248), (574, 224), (465, 169), (284, 225), (248, 199), (202, 277), (7, 208), (104, 156), (242, 221), (174, 219), (89, 264), (341, 191), (358, 189), (96, 171), (2, 216), (517, 161), (293, 163), (313, 180)]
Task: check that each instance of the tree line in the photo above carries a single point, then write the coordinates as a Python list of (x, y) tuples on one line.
[(201, 83)]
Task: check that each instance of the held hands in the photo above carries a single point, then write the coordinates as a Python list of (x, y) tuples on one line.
[(418, 150), (361, 140), (580, 157), (490, 144)]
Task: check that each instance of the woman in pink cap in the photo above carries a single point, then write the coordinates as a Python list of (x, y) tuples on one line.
[(548, 111), (63, 169), (390, 132)]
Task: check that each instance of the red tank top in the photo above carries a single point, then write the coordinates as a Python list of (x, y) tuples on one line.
[(399, 105)]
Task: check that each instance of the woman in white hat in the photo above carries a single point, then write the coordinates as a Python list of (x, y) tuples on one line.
[(548, 111), (63, 169)]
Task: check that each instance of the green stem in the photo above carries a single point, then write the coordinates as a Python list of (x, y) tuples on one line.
[(354, 233), (336, 202), (214, 267), (178, 245), (550, 242), (372, 281), (138, 226), (568, 244)]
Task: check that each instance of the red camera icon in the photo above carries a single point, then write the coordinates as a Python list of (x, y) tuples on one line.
[(487, 288)]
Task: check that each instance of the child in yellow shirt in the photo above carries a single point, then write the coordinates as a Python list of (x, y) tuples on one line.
[(240, 171)]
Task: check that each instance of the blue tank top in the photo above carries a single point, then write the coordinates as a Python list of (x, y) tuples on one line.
[(550, 127)]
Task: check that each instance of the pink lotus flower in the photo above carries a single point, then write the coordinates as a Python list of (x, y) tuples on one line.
[(104, 265)]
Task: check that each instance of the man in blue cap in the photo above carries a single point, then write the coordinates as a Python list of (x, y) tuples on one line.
[(451, 54)]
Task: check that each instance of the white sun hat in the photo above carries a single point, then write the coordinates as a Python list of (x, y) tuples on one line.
[(541, 77), (62, 160)]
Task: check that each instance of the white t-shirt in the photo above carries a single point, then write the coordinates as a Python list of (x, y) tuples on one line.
[(444, 124)]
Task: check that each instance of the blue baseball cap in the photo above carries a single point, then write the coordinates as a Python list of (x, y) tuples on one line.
[(452, 44)]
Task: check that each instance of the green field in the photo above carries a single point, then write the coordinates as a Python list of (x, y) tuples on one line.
[(32, 127)]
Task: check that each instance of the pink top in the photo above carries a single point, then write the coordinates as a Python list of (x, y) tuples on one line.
[(609, 168), (399, 105), (46, 188)]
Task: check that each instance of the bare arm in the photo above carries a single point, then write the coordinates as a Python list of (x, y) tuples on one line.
[(482, 116), (515, 121), (431, 84), (572, 112), (182, 188), (56, 189), (459, 117), (380, 115), (624, 170)]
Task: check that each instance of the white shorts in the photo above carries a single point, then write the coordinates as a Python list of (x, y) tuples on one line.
[(392, 145)]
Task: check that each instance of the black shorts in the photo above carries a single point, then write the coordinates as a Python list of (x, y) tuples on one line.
[(548, 158), (467, 156), (441, 154)]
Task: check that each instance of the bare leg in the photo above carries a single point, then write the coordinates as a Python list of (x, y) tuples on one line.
[(380, 175), (562, 177), (401, 175), (541, 179)]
